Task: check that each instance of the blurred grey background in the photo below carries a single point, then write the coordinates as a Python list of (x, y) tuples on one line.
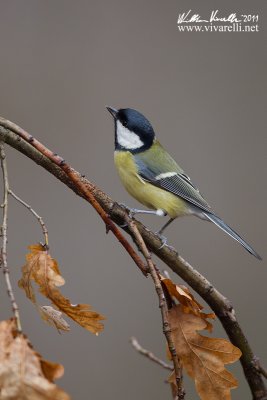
[(205, 94)]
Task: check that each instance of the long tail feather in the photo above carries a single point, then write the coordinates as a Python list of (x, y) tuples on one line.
[(217, 221)]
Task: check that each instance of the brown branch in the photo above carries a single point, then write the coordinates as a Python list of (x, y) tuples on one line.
[(81, 187), (40, 219), (218, 303), (148, 354), (4, 206), (163, 308)]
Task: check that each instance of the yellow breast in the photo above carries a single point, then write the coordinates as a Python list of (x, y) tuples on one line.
[(147, 194)]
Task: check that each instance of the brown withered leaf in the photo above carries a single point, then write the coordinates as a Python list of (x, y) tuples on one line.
[(203, 357), (24, 375), (80, 313), (54, 318), (185, 297), (42, 269), (51, 370)]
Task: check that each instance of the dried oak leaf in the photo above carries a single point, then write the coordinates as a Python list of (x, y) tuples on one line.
[(42, 269), (24, 375), (185, 297), (51, 370), (203, 357), (80, 313)]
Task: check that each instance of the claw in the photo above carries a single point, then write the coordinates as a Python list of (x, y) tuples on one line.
[(163, 245), (171, 248), (123, 225), (130, 211), (164, 242), (124, 206)]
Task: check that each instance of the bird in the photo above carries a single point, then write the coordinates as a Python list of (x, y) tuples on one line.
[(152, 176)]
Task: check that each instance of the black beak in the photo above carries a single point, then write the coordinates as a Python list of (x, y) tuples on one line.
[(112, 111)]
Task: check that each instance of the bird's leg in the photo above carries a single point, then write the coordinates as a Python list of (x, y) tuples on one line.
[(160, 232), (163, 238), (133, 211)]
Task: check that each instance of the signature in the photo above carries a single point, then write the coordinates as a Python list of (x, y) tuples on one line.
[(189, 18)]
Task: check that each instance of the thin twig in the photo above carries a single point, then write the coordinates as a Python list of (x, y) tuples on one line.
[(148, 354), (163, 308), (4, 238), (40, 219), (11, 134)]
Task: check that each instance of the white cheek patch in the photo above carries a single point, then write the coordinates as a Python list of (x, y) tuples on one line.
[(165, 175), (127, 139)]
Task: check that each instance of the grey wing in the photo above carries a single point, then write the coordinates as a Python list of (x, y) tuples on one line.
[(174, 182)]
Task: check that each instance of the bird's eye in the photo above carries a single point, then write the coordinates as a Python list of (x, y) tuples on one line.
[(124, 122)]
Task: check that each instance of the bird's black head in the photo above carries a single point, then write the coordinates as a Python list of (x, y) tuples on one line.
[(133, 132)]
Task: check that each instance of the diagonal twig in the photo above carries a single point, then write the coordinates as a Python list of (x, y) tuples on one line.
[(40, 219), (148, 354), (163, 308)]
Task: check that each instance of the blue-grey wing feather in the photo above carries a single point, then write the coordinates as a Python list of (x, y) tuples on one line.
[(155, 164), (178, 184)]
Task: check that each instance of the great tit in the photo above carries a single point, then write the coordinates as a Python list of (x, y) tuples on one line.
[(152, 177)]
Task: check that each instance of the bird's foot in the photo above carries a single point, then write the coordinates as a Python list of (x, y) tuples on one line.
[(123, 205), (127, 210), (162, 238), (131, 211), (164, 242)]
